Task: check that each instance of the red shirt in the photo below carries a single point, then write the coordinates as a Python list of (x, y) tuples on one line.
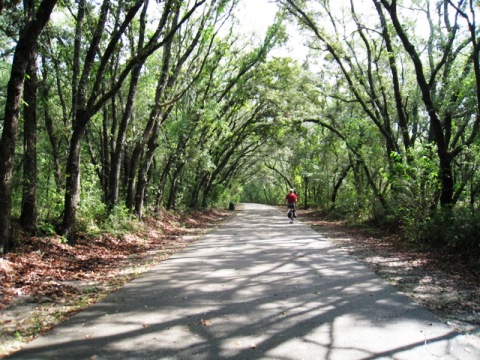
[(291, 198)]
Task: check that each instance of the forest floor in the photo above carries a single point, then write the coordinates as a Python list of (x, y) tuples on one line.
[(46, 281)]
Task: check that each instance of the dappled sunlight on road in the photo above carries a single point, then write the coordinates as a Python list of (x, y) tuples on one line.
[(256, 288)]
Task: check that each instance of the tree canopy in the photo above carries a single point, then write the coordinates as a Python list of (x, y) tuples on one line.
[(127, 108)]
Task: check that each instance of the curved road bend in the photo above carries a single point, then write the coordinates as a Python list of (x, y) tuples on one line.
[(255, 288)]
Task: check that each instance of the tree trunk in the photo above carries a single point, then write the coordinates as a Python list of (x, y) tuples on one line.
[(72, 190), (399, 103), (162, 182), (445, 160), (86, 105), (195, 197), (305, 193), (28, 217), (114, 176), (265, 193), (172, 196), (26, 42), (119, 146), (337, 185), (132, 169), (143, 173), (54, 142), (156, 114)]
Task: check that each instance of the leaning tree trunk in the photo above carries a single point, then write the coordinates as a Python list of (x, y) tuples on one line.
[(200, 182), (338, 183), (26, 43), (87, 101)]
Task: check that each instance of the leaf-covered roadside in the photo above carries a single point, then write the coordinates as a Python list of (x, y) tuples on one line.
[(46, 281)]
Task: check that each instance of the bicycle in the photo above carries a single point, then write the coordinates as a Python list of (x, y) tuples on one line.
[(291, 214)]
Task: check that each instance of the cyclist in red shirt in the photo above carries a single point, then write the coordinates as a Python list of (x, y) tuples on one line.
[(291, 201)]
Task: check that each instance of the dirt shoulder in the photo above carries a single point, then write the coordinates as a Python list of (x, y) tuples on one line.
[(439, 282)]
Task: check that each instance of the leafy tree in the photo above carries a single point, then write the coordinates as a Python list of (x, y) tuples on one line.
[(88, 103), (28, 218), (25, 47), (443, 112), (365, 58)]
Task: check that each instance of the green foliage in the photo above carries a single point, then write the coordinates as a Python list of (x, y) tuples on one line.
[(91, 209), (456, 231), (223, 196), (46, 228), (50, 201), (351, 205), (248, 126), (93, 214), (119, 221), (414, 185), (264, 189)]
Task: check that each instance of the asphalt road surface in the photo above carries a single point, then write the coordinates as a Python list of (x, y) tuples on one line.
[(256, 288)]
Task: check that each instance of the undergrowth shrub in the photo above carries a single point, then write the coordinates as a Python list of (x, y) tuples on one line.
[(457, 231), (222, 196), (120, 220)]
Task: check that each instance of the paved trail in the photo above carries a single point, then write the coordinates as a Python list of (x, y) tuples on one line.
[(256, 288)]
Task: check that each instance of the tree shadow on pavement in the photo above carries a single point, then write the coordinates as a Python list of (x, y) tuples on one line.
[(256, 288)]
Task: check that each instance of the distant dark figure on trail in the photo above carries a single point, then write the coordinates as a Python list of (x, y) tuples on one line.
[(291, 201)]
